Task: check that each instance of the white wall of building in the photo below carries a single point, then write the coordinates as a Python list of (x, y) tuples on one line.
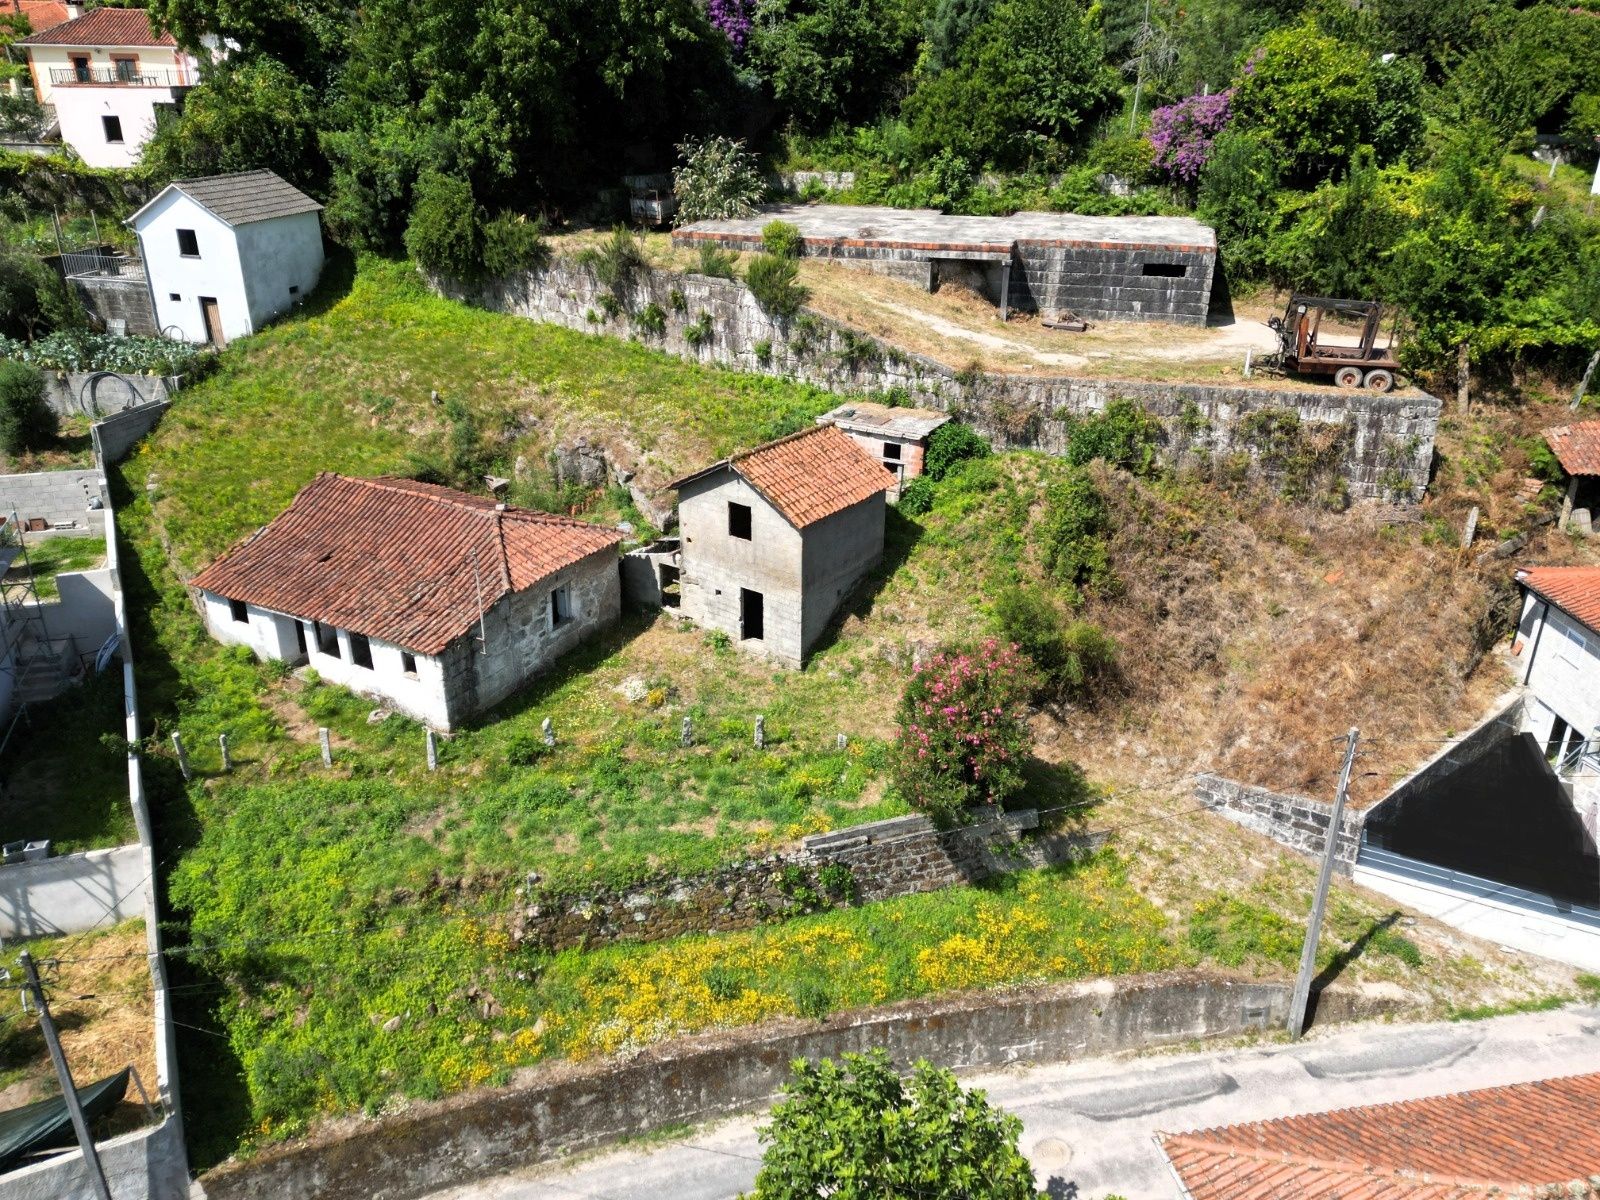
[(215, 272), (71, 893), (153, 59), (1561, 665), (281, 261), (81, 107), (839, 551)]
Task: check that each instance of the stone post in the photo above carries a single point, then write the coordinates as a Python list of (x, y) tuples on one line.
[(548, 728), (327, 746), (433, 752), (183, 758), (761, 732), (841, 742), (686, 737), (227, 759)]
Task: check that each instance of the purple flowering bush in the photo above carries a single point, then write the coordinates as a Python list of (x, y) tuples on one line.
[(1181, 134), (732, 17), (963, 729)]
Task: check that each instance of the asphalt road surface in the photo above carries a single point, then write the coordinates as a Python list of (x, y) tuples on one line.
[(1089, 1126)]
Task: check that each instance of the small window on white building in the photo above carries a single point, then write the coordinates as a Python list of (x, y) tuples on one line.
[(188, 243), (408, 663), (739, 521), (361, 650), (174, 296), (239, 611), (113, 128), (560, 607), (294, 290), (327, 639)]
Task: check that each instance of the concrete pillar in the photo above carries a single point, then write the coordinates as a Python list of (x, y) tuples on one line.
[(327, 746), (761, 732), (433, 751), (686, 735)]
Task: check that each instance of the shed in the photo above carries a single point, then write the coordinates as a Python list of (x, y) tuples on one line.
[(896, 437), (774, 539), (225, 254), (434, 601), (1577, 447)]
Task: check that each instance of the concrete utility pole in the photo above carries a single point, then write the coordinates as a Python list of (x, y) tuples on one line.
[(1308, 954), (69, 1093)]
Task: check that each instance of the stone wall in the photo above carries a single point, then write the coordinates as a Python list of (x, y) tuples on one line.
[(897, 857), (1110, 282), (1298, 822), (119, 298), (1387, 454), (568, 1107), (97, 393)]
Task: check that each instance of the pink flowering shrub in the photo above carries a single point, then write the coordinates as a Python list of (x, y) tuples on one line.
[(1181, 134), (963, 729)]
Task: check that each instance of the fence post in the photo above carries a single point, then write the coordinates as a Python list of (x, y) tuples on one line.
[(841, 742), (183, 758), (686, 735), (761, 732), (227, 759), (433, 752), (327, 746), (548, 728)]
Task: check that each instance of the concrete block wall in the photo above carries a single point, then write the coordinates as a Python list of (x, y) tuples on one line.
[(56, 496), (115, 435), (101, 393), (1298, 822), (1110, 283), (111, 298), (1388, 454)]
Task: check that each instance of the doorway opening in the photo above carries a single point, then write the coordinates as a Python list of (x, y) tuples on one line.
[(752, 615)]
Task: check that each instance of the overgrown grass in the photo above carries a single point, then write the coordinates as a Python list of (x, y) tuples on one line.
[(53, 556)]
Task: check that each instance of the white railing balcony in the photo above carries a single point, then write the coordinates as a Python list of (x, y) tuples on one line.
[(121, 75)]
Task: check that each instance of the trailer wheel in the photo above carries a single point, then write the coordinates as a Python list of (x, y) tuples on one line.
[(1378, 381), (1347, 377)]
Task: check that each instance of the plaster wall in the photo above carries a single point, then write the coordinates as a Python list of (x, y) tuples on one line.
[(214, 272), (71, 893), (839, 552), (282, 261), (148, 1164), (81, 109), (84, 612), (716, 566)]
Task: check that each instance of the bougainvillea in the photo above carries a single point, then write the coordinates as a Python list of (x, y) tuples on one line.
[(732, 17), (1181, 134), (963, 729)]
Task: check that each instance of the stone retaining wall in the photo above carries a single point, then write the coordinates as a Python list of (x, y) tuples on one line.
[(565, 1107), (1298, 822), (864, 863), (1387, 454)]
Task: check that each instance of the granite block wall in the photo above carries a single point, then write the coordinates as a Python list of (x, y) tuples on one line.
[(1298, 822)]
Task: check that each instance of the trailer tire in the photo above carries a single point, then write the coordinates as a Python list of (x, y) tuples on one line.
[(1378, 380), (1347, 377)]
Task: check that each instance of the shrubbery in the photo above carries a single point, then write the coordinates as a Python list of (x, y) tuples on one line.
[(916, 496), (445, 233), (950, 445), (774, 282), (26, 421), (1124, 435), (512, 244), (963, 733), (782, 239), (1074, 658), (717, 179), (1071, 532)]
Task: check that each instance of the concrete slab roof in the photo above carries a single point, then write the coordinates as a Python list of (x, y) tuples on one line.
[(936, 232), (864, 416)]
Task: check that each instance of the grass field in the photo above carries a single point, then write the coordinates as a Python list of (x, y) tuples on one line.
[(50, 557)]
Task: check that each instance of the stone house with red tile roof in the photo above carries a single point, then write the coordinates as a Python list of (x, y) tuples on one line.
[(1558, 638), (1577, 448), (772, 540), (437, 603), (1528, 1139)]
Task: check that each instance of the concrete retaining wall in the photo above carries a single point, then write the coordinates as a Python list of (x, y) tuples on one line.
[(1386, 454), (896, 857), (115, 435), (1298, 822), (98, 393), (71, 893), (119, 298), (84, 613), (148, 1164), (1504, 724), (568, 1107), (57, 497)]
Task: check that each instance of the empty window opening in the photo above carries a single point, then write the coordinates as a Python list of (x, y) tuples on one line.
[(891, 451), (560, 607), (300, 637), (1165, 270), (739, 521), (174, 296), (327, 638), (752, 615), (295, 290), (239, 611), (361, 650), (188, 243), (408, 663), (671, 596), (113, 128)]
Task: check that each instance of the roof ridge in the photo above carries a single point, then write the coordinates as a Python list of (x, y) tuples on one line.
[(788, 437), (1289, 1157)]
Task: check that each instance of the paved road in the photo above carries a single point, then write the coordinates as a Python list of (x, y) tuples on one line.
[(1088, 1126)]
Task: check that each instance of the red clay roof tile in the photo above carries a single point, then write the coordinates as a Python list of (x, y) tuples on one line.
[(1574, 590), (396, 559), (41, 14), (1577, 446), (1457, 1147), (809, 475), (102, 27)]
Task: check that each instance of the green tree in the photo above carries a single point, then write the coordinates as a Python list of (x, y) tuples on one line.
[(445, 233), (949, 446), (1022, 86), (831, 61), (26, 421), (717, 178), (858, 1131), (312, 35), (1338, 238), (242, 116), (1238, 197), (33, 299), (20, 115)]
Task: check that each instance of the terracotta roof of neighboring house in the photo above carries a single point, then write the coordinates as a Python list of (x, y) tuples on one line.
[(396, 559), (1577, 446), (1575, 590), (808, 475), (102, 27), (240, 198), (41, 14), (867, 417), (1447, 1148)]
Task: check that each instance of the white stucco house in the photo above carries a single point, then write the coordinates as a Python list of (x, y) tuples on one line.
[(225, 254), (435, 602), (108, 76), (1558, 637), (772, 541)]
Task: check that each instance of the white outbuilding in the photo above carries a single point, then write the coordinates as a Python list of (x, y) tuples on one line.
[(225, 254)]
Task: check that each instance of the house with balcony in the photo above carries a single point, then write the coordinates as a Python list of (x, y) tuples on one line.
[(107, 75)]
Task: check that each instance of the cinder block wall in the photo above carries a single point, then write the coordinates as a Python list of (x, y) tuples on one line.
[(55, 496), (1110, 282)]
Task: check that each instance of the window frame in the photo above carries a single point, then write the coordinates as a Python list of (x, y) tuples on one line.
[(194, 239), (747, 521), (360, 650), (326, 638), (891, 452), (408, 664)]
